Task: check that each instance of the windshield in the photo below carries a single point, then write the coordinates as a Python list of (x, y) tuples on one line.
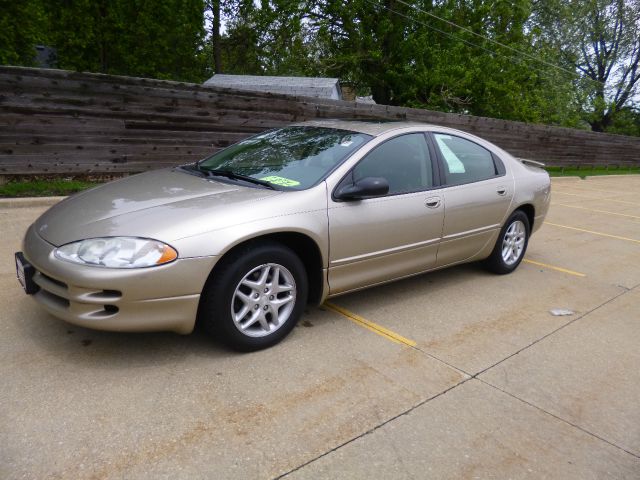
[(292, 157)]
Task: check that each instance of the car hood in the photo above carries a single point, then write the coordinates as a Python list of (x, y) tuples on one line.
[(164, 204)]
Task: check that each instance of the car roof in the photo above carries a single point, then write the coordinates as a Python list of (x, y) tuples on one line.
[(370, 127)]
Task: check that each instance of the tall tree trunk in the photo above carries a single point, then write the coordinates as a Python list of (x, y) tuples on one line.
[(102, 27), (215, 36)]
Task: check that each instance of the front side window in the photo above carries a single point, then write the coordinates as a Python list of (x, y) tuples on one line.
[(464, 161), (403, 161), (288, 158)]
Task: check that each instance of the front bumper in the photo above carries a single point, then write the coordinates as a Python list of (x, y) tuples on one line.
[(162, 298)]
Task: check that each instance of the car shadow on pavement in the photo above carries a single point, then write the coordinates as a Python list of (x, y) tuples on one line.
[(57, 339), (424, 282), (70, 343), (60, 341)]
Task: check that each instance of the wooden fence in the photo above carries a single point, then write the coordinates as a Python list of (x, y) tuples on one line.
[(60, 122)]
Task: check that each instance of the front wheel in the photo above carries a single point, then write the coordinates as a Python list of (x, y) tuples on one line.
[(256, 297), (511, 244)]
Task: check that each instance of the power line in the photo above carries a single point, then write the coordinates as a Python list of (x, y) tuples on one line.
[(447, 34), (455, 37), (449, 22)]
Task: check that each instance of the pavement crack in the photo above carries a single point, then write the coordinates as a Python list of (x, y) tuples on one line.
[(438, 359), (561, 327), (371, 430), (574, 425)]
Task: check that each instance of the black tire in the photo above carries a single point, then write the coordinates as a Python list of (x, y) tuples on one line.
[(221, 296), (496, 261)]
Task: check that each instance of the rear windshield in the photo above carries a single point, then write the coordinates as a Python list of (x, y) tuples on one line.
[(289, 158)]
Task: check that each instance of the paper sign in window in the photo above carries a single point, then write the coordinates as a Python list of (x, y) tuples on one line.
[(285, 182), (453, 162)]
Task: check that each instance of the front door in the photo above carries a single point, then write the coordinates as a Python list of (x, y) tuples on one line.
[(388, 237)]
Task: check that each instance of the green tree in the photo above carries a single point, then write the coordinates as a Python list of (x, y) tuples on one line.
[(141, 37), (240, 51), (564, 62), (626, 122), (21, 28), (268, 38), (366, 43), (494, 66), (284, 47), (601, 40), (408, 52)]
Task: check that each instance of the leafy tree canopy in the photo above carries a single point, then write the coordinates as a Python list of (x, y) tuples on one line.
[(563, 62)]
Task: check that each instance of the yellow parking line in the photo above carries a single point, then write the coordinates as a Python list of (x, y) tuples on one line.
[(596, 198), (374, 327), (594, 233), (596, 210), (552, 267)]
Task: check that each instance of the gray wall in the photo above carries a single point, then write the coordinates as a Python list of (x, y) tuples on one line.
[(54, 121)]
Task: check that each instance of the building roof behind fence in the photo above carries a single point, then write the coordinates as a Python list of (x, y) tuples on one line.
[(299, 86)]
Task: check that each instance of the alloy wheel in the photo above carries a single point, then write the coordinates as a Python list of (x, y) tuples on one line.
[(263, 300), (513, 242)]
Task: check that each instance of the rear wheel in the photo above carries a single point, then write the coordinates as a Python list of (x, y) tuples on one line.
[(511, 244), (256, 296)]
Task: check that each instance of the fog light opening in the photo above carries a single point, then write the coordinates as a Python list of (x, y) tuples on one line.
[(111, 309)]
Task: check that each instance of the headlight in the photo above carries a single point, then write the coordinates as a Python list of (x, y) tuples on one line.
[(117, 252)]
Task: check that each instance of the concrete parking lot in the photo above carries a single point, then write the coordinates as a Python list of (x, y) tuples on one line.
[(454, 374)]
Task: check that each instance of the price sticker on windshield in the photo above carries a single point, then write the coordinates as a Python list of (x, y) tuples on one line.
[(283, 182)]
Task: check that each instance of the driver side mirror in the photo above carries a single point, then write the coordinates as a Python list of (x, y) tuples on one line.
[(364, 188)]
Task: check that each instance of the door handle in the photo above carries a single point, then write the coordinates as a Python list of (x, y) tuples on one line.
[(501, 190), (433, 202)]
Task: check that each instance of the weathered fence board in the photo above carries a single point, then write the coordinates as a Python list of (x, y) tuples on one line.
[(60, 122)]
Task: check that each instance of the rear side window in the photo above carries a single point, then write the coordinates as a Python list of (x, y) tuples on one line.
[(464, 161)]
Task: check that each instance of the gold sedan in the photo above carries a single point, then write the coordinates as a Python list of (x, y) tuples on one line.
[(243, 240)]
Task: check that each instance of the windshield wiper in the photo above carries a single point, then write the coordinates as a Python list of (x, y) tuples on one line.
[(236, 176), (192, 169)]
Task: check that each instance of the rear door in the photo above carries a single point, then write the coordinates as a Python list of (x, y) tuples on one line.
[(477, 193), (387, 237)]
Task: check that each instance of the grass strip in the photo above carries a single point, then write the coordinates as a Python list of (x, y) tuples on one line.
[(590, 170), (43, 188)]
